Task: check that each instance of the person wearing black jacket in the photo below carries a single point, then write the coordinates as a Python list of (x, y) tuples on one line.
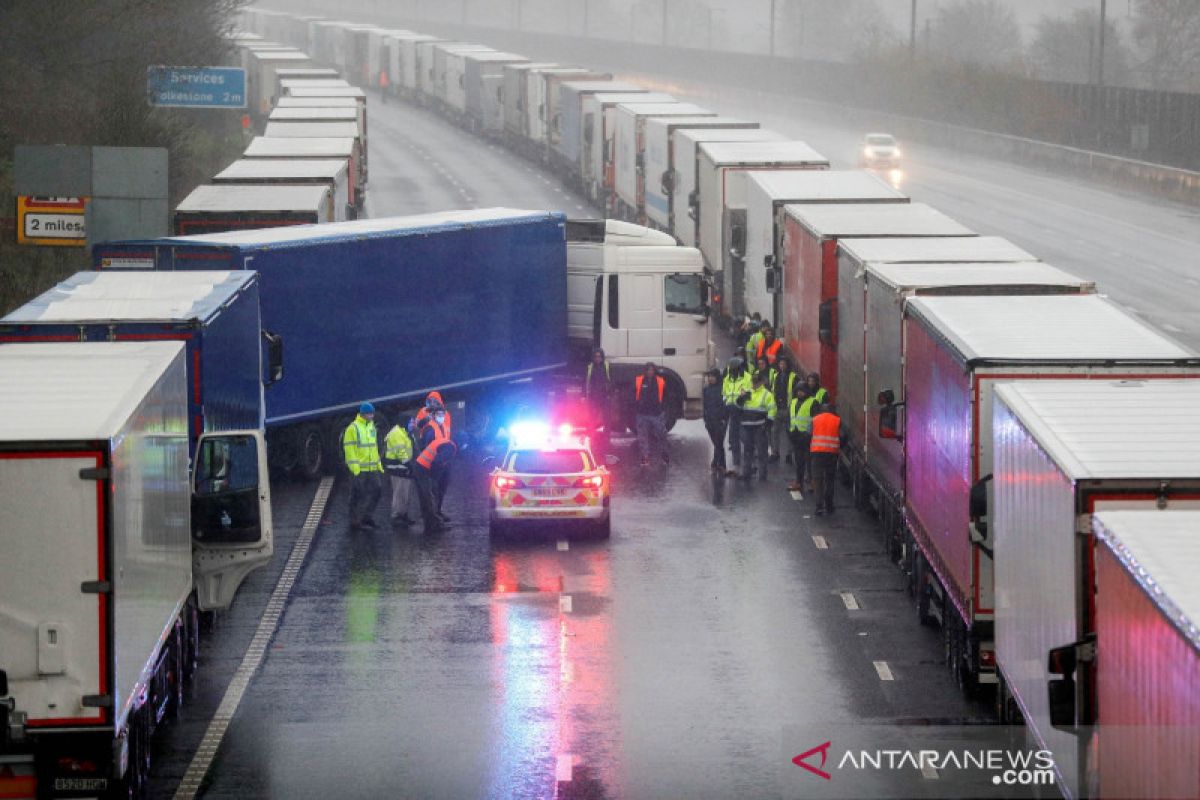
[(716, 417)]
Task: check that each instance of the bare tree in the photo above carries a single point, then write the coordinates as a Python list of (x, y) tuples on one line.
[(1167, 35), (1067, 49), (977, 32)]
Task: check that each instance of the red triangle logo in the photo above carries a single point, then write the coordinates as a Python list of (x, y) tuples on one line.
[(823, 749)]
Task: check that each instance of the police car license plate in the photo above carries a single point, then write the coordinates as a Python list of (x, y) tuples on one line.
[(550, 492)]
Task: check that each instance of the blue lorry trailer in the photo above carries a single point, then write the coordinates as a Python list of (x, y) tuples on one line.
[(215, 315), (387, 310)]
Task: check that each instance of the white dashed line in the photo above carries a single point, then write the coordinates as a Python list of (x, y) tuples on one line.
[(563, 544), (564, 604), (268, 624), (850, 602), (563, 767), (884, 671), (797, 496), (820, 542)]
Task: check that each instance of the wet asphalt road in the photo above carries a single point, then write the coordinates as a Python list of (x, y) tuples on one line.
[(698, 645), (691, 655)]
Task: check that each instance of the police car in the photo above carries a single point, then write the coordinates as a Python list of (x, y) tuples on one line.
[(548, 476)]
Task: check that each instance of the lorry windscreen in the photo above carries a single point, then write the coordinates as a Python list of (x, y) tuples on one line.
[(684, 294)]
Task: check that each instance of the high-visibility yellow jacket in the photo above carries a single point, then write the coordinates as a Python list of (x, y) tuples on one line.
[(758, 407), (361, 445), (398, 445), (732, 387), (802, 414)]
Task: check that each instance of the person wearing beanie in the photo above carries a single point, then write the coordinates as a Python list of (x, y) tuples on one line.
[(360, 442)]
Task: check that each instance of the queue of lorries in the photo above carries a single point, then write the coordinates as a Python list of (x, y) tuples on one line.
[(938, 345), (1027, 444)]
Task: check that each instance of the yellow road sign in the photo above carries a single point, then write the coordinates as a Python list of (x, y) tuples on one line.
[(52, 221)]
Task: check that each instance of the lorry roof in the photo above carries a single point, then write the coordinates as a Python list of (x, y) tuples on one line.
[(363, 228), (339, 101), (306, 72), (158, 296), (846, 220), (1048, 329), (494, 56), (308, 130), (344, 113), (1160, 550), (902, 277), (616, 98), (648, 109), (734, 135), (1098, 429), (76, 391), (824, 185), (315, 147), (326, 91), (278, 55), (319, 169), (702, 121), (254, 197), (734, 154), (934, 249), (314, 83), (597, 86)]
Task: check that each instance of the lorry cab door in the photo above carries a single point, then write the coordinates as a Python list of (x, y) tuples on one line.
[(642, 315), (685, 321), (231, 513)]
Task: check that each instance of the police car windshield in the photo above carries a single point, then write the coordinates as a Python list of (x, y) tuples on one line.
[(548, 462)]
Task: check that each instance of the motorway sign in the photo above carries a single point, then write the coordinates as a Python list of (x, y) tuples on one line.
[(196, 87), (52, 221)]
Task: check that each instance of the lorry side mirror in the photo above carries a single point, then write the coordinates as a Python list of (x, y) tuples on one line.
[(668, 181), (274, 357), (827, 323), (885, 398), (3, 683), (772, 280), (694, 199), (979, 501), (1061, 693), (639, 162), (737, 240)]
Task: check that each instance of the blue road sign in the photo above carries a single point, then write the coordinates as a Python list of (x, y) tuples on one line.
[(197, 87)]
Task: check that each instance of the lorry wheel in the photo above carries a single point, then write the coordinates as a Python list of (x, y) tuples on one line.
[(311, 461)]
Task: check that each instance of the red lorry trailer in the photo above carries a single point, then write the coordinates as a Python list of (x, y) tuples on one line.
[(811, 265), (870, 342), (1147, 671), (956, 349), (1074, 649)]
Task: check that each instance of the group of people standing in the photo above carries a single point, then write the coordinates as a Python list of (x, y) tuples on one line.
[(764, 407), (416, 458), (649, 406)]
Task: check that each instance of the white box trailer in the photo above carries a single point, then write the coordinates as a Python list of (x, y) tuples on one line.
[(261, 77), (1147, 666), (513, 98), (300, 74), (552, 98), (406, 60), (449, 74), (333, 173), (658, 159), (956, 350), (290, 85), (426, 60), (567, 131), (599, 131), (1065, 452), (216, 208), (766, 195), (483, 81), (325, 130), (539, 83), (870, 323), (96, 578), (720, 204), (379, 53), (683, 185), (628, 152)]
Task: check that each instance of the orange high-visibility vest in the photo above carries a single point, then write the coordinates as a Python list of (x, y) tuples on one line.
[(425, 412), (440, 437), (825, 428), (637, 387), (771, 350)]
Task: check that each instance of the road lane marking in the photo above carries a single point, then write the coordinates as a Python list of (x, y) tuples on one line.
[(820, 542), (252, 660), (563, 545), (884, 671), (564, 604), (563, 768), (797, 496), (850, 602)]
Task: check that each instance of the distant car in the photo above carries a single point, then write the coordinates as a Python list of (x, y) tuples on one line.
[(879, 151), (548, 478)]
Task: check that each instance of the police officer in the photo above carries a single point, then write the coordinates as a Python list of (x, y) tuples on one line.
[(397, 464), (758, 410), (733, 385), (826, 442), (360, 444)]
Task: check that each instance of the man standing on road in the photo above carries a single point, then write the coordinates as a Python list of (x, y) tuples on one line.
[(784, 387), (360, 443), (397, 463), (436, 449), (384, 83), (716, 416), (768, 346), (826, 442), (597, 391), (735, 383), (649, 391), (800, 414), (758, 410), (815, 390)]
